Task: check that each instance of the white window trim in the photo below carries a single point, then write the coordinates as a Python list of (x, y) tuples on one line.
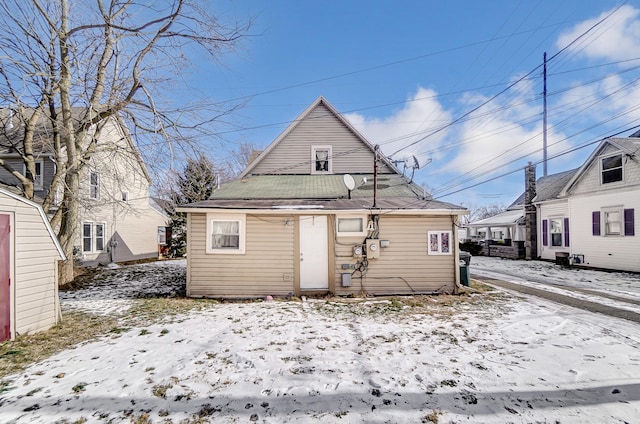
[(93, 236), (352, 233), (556, 218), (603, 222), (97, 197), (601, 158), (241, 219), (37, 184), (162, 235), (439, 251), (329, 149)]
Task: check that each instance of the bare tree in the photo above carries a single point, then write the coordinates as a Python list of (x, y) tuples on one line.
[(79, 65), (477, 213), (236, 160)]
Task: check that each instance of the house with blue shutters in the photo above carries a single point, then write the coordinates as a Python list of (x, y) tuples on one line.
[(589, 215)]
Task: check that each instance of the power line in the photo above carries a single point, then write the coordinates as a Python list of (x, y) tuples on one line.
[(557, 155)]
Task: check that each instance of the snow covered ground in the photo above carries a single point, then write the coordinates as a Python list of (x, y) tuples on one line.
[(624, 287), (494, 358)]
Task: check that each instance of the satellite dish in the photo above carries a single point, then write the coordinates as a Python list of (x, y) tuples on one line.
[(349, 181), (416, 164)]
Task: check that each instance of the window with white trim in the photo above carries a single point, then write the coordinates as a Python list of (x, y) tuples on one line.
[(321, 161), (38, 181), (125, 196), (93, 237), (439, 243), (556, 231), (611, 169), (612, 222), (94, 185), (162, 235), (351, 226), (226, 233)]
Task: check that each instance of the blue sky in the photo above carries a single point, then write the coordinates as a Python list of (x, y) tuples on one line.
[(458, 84)]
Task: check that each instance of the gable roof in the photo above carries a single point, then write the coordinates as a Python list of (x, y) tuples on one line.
[(44, 133), (550, 187), (628, 145), (42, 216), (547, 188), (313, 187), (327, 192), (304, 115)]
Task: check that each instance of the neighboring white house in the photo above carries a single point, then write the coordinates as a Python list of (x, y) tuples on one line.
[(592, 219), (118, 221), (29, 254)]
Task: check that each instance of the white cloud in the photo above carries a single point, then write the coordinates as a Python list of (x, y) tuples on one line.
[(421, 115), (610, 104), (617, 38)]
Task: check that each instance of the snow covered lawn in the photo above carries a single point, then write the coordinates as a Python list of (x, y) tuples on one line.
[(483, 358)]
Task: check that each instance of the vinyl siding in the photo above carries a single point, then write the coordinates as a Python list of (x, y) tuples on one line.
[(559, 209), (18, 165), (292, 155), (266, 268), (404, 267), (34, 300), (132, 224), (590, 180), (610, 252)]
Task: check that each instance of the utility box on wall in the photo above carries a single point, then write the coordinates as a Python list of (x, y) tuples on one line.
[(346, 279), (373, 248)]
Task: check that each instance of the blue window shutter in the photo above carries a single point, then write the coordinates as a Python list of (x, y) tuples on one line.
[(629, 224), (545, 232), (595, 223), (566, 232)]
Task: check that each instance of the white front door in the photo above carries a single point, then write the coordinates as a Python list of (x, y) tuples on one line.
[(314, 253)]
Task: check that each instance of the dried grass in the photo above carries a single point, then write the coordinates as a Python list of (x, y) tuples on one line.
[(75, 328)]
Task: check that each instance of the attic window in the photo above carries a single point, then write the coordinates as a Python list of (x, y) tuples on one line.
[(611, 168), (321, 161), (37, 178)]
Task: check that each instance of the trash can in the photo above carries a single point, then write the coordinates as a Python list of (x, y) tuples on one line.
[(465, 261)]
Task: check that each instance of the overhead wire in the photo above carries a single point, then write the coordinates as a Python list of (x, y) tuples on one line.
[(492, 159)]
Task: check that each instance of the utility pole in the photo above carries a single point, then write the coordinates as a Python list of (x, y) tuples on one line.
[(544, 117), (375, 176)]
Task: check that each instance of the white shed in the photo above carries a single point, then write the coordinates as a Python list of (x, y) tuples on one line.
[(29, 255)]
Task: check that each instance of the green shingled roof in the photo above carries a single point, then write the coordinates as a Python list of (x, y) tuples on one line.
[(313, 187)]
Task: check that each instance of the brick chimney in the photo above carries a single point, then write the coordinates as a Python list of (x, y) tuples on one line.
[(531, 238)]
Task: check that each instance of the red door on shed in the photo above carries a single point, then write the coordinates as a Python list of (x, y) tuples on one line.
[(5, 294)]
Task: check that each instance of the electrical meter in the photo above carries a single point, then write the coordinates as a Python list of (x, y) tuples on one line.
[(373, 248)]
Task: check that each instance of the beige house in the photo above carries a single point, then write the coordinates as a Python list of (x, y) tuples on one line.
[(29, 253), (321, 211), (118, 220)]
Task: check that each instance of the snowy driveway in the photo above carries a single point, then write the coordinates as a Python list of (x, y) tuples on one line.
[(613, 293), (481, 359)]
